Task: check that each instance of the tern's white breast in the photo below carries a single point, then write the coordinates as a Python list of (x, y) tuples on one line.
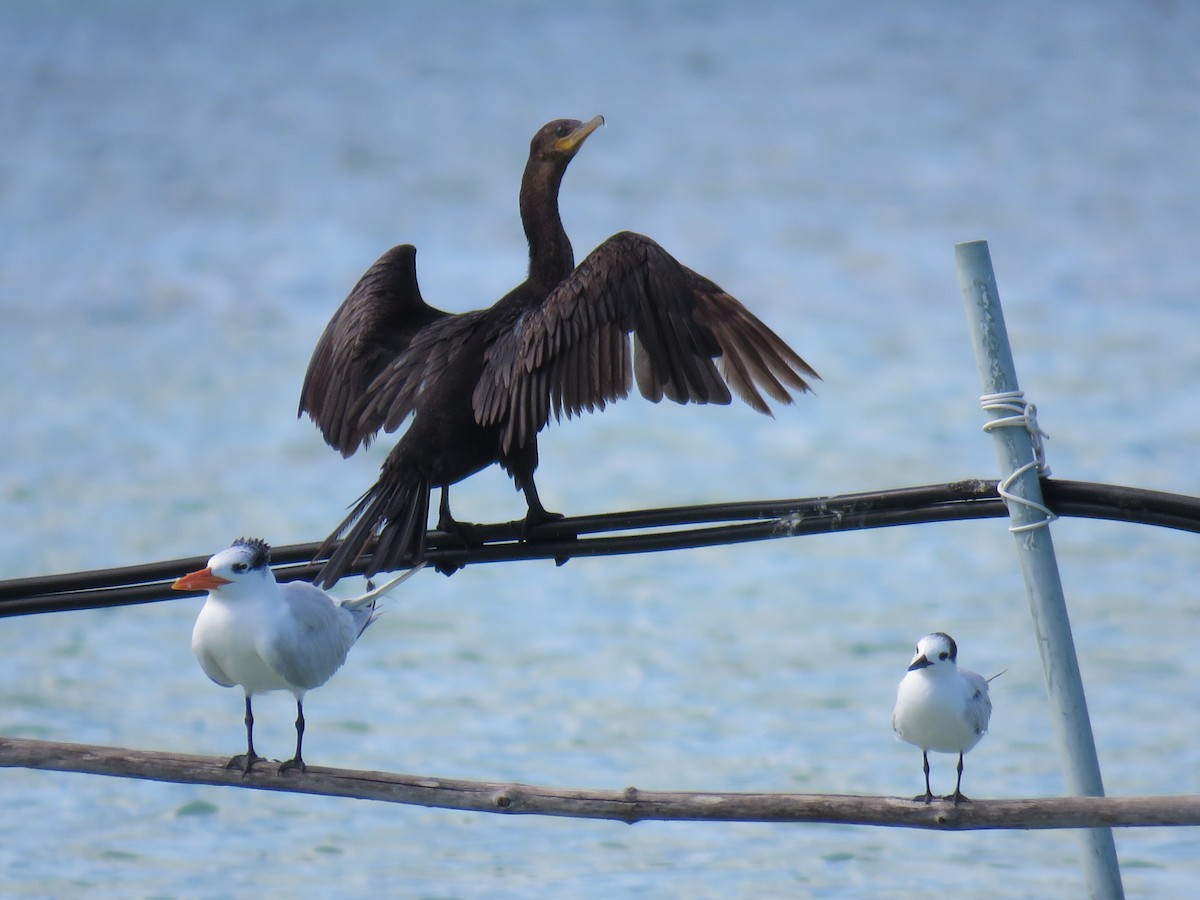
[(932, 712), (227, 639)]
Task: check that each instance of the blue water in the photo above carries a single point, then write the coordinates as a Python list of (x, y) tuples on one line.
[(188, 191)]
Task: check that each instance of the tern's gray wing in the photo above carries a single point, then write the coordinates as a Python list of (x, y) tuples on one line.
[(979, 704), (313, 639)]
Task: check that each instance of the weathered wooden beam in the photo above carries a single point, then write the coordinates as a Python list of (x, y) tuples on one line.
[(628, 805)]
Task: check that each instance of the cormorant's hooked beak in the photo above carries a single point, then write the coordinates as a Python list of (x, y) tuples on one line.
[(203, 580), (572, 142), (919, 663)]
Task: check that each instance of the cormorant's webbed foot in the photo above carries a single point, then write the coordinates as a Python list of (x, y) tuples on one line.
[(536, 517), (540, 516)]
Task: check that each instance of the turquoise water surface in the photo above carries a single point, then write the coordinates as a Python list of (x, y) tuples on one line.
[(188, 191)]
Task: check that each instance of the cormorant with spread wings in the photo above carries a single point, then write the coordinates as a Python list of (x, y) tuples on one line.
[(480, 385)]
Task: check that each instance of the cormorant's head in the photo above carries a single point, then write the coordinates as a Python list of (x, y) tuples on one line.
[(562, 138)]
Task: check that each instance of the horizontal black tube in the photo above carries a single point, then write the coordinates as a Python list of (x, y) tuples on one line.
[(578, 537)]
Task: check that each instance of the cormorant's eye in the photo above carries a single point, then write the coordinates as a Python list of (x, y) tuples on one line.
[(943, 655), (562, 131), (242, 567)]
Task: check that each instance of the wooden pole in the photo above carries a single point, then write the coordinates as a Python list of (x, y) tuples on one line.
[(629, 805)]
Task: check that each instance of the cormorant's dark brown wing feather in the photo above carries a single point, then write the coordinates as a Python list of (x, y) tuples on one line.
[(691, 343), (372, 327), (436, 356), (753, 356)]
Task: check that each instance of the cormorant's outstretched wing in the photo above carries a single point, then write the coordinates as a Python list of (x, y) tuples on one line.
[(442, 361), (691, 342), (373, 326)]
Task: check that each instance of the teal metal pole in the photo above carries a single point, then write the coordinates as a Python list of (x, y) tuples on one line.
[(1018, 446)]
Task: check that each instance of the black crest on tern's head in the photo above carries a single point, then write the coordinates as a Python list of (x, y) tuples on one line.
[(952, 647), (260, 551)]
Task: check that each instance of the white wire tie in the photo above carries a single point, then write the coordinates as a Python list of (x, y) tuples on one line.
[(1024, 415)]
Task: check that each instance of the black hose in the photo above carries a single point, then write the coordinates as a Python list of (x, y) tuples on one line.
[(689, 527)]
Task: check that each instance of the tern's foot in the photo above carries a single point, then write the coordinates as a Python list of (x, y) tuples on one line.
[(926, 797), (243, 761), (957, 797), (294, 763)]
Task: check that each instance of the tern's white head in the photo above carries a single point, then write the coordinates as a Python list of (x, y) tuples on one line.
[(247, 562), (935, 650)]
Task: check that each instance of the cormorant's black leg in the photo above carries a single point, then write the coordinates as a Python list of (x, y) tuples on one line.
[(447, 523), (445, 519), (537, 513), (245, 760), (297, 761)]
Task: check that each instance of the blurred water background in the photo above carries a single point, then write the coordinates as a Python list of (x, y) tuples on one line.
[(187, 191)]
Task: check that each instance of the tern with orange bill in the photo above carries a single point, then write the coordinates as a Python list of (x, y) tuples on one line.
[(266, 636)]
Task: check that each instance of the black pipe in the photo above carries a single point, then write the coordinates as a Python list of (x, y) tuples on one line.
[(567, 538)]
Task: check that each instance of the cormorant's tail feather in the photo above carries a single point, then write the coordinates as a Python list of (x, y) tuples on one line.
[(398, 513)]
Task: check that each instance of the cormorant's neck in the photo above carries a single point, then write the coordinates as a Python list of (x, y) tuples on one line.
[(551, 258)]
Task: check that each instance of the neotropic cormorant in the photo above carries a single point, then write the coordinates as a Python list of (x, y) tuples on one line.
[(480, 385)]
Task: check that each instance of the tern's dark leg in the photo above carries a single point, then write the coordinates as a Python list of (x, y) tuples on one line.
[(928, 796), (297, 761), (245, 760), (957, 796)]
